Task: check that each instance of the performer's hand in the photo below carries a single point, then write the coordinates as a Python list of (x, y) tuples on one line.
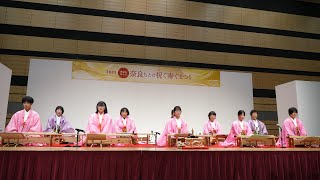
[(214, 131), (298, 131), (124, 129)]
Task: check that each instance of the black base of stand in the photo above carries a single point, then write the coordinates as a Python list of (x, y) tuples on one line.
[(281, 140), (77, 140)]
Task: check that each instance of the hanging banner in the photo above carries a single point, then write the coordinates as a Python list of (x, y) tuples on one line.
[(145, 74)]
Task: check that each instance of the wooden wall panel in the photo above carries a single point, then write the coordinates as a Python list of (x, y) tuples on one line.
[(18, 90), (196, 11), (40, 44), (156, 53), (177, 8), (92, 4), (137, 6), (112, 49), (19, 16), (177, 54), (113, 25), (198, 56), (232, 15), (176, 32), (65, 46), (134, 27), (3, 12), (67, 21), (213, 13), (15, 42), (156, 29), (15, 97), (156, 7), (265, 107), (70, 2), (161, 30), (89, 47), (90, 23), (114, 5), (18, 64), (43, 18), (134, 51), (265, 101), (210, 12), (269, 81)]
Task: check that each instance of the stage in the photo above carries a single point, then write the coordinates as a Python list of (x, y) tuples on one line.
[(147, 163)]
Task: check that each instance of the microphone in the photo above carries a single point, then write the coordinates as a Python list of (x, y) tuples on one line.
[(80, 130), (280, 135), (279, 127)]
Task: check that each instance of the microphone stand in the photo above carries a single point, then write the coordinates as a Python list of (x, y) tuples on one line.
[(156, 136), (78, 130), (281, 138)]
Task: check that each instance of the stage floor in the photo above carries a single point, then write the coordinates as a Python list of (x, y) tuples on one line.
[(151, 148)]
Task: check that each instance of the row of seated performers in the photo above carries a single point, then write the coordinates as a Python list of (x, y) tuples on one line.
[(28, 120)]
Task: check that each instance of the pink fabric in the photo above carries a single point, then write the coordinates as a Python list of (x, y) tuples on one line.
[(235, 131), (288, 128), (171, 128), (94, 126), (207, 128), (17, 124), (130, 125), (106, 124)]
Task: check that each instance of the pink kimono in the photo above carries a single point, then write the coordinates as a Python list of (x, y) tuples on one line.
[(119, 126), (171, 128), (94, 125), (235, 131), (17, 124), (288, 128), (208, 129)]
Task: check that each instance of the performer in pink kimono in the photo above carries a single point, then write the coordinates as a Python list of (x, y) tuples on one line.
[(100, 121), (173, 126), (292, 126), (212, 126), (26, 120), (124, 124), (58, 123), (257, 127), (239, 127)]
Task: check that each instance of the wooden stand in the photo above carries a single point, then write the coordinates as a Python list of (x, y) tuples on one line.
[(173, 139), (306, 141), (95, 139), (25, 138), (179, 139), (255, 139), (107, 139), (214, 138), (16, 137), (195, 143), (139, 137)]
